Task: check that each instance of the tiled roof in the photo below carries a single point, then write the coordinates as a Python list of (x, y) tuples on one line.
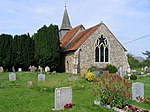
[(69, 35), (80, 38)]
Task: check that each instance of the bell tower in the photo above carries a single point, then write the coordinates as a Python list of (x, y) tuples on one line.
[(66, 25)]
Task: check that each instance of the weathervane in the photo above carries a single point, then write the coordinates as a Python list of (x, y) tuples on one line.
[(65, 3)]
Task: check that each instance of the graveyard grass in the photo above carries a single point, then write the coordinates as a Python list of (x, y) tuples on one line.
[(146, 81), (17, 96)]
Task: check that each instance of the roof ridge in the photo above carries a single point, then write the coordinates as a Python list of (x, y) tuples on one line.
[(83, 35)]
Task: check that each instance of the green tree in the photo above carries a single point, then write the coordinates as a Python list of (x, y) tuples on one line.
[(23, 50), (147, 53), (134, 63), (147, 61), (6, 51), (47, 49)]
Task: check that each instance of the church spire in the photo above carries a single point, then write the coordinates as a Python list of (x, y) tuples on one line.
[(66, 22), (66, 25)]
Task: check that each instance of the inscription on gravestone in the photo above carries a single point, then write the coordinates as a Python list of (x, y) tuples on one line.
[(41, 77), (12, 77), (137, 90), (63, 96)]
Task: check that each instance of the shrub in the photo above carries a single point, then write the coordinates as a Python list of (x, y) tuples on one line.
[(126, 77), (90, 76), (133, 77), (112, 90), (111, 68)]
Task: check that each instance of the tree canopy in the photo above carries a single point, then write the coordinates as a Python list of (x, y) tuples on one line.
[(47, 49), (147, 53)]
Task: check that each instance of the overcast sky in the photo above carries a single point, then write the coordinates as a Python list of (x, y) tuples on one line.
[(127, 19)]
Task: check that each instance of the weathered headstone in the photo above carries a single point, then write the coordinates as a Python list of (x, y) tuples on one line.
[(47, 69), (32, 68), (120, 70), (41, 77), (63, 96), (12, 77), (137, 90), (19, 69), (96, 73), (1, 69), (145, 69)]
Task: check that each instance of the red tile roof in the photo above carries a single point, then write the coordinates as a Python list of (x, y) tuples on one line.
[(78, 40), (69, 35)]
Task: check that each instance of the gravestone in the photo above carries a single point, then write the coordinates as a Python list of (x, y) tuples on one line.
[(120, 70), (63, 96), (145, 69), (47, 69), (12, 77), (1, 69), (96, 73), (41, 77), (19, 69), (32, 68), (137, 90)]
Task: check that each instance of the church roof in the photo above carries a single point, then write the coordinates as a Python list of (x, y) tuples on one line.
[(69, 35), (73, 39), (65, 22), (78, 40)]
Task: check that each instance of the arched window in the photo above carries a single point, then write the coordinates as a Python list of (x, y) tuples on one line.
[(106, 54), (97, 54), (101, 53), (101, 50)]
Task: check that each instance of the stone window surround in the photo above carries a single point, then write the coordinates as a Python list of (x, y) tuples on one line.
[(108, 46)]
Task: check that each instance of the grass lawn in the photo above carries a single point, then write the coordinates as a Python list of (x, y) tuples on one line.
[(146, 81), (17, 96)]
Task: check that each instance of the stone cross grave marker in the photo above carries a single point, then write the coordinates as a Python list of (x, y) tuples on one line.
[(41, 77), (63, 96), (12, 77), (137, 90)]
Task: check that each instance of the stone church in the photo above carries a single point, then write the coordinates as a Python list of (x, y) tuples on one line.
[(95, 46)]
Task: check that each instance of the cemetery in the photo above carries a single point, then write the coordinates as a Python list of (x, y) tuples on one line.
[(40, 92)]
